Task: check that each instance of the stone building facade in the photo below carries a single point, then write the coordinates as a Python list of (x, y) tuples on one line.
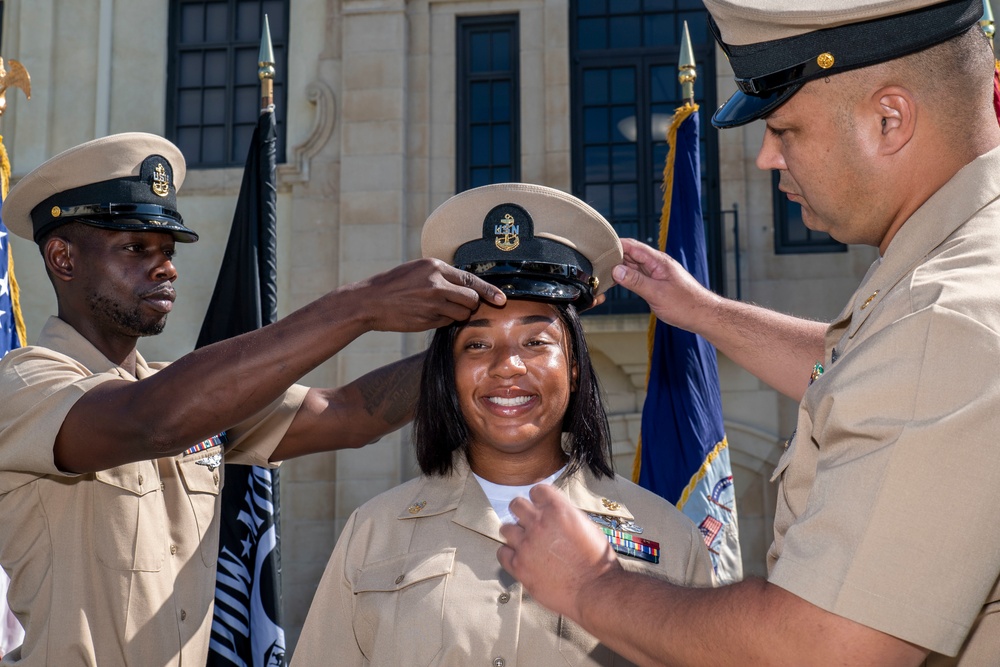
[(369, 115)]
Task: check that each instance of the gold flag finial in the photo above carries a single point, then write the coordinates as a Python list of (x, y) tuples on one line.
[(686, 67), (986, 23), (14, 76), (265, 67)]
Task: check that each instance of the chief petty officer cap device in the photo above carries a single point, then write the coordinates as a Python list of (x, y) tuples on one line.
[(531, 241), (775, 46), (139, 177)]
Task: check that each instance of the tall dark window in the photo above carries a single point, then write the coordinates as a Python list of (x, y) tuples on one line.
[(488, 102), (625, 90), (212, 85), (791, 236)]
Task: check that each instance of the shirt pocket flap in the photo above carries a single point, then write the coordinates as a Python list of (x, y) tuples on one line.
[(138, 478), (198, 478), (398, 572)]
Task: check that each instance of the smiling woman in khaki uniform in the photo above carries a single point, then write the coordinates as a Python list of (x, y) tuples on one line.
[(508, 400)]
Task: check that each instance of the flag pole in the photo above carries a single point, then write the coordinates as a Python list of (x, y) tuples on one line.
[(687, 73), (265, 67), (987, 23)]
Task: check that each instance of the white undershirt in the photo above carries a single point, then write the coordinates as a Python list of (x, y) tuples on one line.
[(500, 495)]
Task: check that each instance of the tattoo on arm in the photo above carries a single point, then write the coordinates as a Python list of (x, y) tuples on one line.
[(390, 392)]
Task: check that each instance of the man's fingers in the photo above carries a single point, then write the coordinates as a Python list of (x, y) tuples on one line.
[(484, 290), (524, 510)]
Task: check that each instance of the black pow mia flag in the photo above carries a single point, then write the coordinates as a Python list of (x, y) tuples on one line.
[(246, 628)]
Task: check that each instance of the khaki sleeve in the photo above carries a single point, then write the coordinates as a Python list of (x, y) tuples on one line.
[(257, 437), (37, 390), (899, 529), (328, 633)]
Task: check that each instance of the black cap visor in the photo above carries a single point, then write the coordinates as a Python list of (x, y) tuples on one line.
[(538, 281), (741, 108), (123, 217)]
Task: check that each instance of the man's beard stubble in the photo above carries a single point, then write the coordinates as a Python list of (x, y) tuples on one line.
[(129, 321)]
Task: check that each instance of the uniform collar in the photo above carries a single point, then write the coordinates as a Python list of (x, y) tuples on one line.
[(461, 493), (59, 336), (975, 186)]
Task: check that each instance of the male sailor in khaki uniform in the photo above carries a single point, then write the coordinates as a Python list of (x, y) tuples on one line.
[(887, 546), (109, 465)]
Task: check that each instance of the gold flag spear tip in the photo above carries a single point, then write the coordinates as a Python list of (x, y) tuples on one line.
[(686, 67), (265, 67), (13, 76)]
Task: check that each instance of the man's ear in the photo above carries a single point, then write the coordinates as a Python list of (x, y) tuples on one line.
[(897, 111), (59, 256)]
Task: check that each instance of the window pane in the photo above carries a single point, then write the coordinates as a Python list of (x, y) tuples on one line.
[(241, 142), (479, 177), (480, 145), (214, 106), (595, 125), (189, 141), (662, 82), (479, 52), (215, 68), (660, 30), (622, 85), (248, 24), (624, 6), (189, 70), (626, 124), (192, 28), (216, 22), (626, 32), (246, 67), (662, 5), (275, 10), (246, 105), (623, 166), (501, 144), (595, 86), (697, 26), (501, 175), (589, 7), (213, 145), (592, 34), (501, 50), (479, 102), (501, 101), (189, 107), (596, 159), (626, 200)]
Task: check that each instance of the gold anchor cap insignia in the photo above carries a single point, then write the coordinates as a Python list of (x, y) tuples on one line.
[(161, 182), (506, 232)]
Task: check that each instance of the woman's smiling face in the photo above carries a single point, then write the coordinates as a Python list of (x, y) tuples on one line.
[(514, 376)]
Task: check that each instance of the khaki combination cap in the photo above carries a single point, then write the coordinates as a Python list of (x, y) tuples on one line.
[(775, 46), (531, 241), (122, 182)]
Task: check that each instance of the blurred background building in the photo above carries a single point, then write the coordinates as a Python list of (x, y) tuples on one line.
[(386, 108)]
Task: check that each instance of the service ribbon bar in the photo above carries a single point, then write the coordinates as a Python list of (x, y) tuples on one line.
[(215, 441), (631, 545)]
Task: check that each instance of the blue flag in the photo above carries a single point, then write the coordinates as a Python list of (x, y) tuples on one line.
[(683, 454)]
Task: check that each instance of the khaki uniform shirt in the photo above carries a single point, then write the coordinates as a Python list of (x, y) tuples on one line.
[(414, 579), (115, 567), (890, 488)]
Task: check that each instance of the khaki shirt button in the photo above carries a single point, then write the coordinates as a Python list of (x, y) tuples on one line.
[(499, 662), (504, 598), (215, 478), (399, 579), (173, 549), (184, 615), (140, 480), (162, 486)]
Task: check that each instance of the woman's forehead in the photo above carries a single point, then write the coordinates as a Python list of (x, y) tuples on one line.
[(514, 310)]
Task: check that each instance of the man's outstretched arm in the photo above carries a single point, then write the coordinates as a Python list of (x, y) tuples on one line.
[(569, 567)]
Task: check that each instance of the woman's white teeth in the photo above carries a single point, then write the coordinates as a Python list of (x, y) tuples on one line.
[(509, 402)]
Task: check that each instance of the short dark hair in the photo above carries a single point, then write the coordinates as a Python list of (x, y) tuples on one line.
[(439, 428)]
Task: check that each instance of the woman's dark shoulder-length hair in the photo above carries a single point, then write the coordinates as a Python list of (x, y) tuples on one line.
[(439, 427)]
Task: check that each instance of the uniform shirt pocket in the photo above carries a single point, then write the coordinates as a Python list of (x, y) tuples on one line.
[(399, 607), (202, 485), (130, 519)]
